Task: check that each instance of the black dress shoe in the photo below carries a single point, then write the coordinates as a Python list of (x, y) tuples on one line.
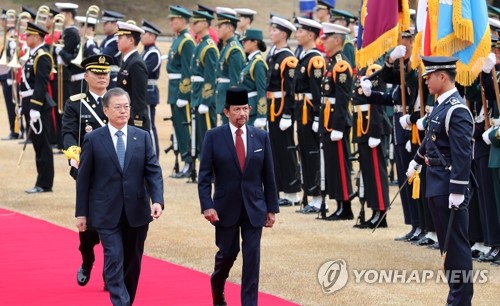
[(407, 236), (285, 202), (182, 174), (308, 210), (416, 238), (434, 246), (12, 136), (344, 215), (37, 189), (425, 241), (83, 275), (492, 255), (476, 254)]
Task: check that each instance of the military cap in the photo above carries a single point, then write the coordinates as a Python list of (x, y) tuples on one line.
[(439, 63), (66, 6), (225, 10), (4, 14), (150, 27), (494, 41), (323, 5), (177, 11), (283, 25), (492, 10), (98, 63), (204, 8), (125, 28), (331, 28), (111, 16), (236, 96), (35, 29), (255, 34), (202, 16), (406, 34), (225, 18), (90, 20), (54, 11), (244, 12), (29, 11), (309, 25), (341, 14), (494, 24), (412, 12)]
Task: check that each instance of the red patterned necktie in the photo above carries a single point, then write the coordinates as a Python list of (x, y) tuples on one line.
[(240, 149)]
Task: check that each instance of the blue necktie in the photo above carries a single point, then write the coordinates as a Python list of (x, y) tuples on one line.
[(120, 148)]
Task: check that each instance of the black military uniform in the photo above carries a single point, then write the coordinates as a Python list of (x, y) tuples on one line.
[(109, 45), (83, 114), (133, 78), (34, 92), (88, 49), (151, 56), (447, 151)]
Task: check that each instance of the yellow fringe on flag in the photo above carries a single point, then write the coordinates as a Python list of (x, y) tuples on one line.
[(404, 16), (466, 74), (432, 13), (369, 54), (462, 28), (415, 52)]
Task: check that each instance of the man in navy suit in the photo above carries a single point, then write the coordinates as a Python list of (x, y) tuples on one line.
[(239, 157), (117, 176)]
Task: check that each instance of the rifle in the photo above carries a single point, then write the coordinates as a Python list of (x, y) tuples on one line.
[(322, 179), (193, 176), (173, 147)]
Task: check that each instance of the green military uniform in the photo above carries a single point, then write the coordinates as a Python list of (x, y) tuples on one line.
[(231, 62), (179, 83), (203, 66)]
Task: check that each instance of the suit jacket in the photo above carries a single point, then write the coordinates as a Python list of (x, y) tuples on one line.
[(104, 189), (255, 187), (133, 78)]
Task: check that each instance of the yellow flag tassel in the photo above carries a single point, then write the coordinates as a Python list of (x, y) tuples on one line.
[(415, 138), (415, 180)]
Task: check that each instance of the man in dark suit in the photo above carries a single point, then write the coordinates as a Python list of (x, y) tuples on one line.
[(239, 157), (133, 74), (117, 176)]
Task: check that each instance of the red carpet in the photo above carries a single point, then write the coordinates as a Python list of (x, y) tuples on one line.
[(38, 263)]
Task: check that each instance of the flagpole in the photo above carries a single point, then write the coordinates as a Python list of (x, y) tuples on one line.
[(402, 81), (495, 86)]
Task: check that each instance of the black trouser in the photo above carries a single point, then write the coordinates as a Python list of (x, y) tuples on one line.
[(11, 108), (88, 240)]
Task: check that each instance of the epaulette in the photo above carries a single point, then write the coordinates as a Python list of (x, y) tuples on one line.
[(39, 53), (78, 97), (205, 50), (210, 41), (187, 37), (454, 101), (341, 67), (290, 62), (235, 46), (318, 62), (258, 58), (232, 44)]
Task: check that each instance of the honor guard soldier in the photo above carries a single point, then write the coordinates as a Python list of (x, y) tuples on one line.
[(347, 20), (231, 61), (133, 75), (203, 66), (334, 121), (49, 38), (368, 125), (37, 105), (246, 18), (179, 84), (87, 30), (83, 114), (253, 77), (447, 152), (323, 15), (109, 45), (280, 106), (307, 89), (211, 31), (151, 56)]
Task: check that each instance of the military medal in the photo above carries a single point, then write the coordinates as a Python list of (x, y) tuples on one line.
[(124, 82), (93, 106), (327, 87), (88, 128), (433, 137), (277, 66), (303, 69)]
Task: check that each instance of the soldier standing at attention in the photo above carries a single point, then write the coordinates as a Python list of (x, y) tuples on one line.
[(179, 83), (231, 61), (280, 106), (307, 89), (109, 46), (447, 152), (151, 56), (246, 18), (203, 66)]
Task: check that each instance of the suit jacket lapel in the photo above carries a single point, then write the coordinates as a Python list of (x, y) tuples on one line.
[(250, 146), (131, 143), (230, 144), (107, 143)]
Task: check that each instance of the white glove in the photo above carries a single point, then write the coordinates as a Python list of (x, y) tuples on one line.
[(455, 200), (398, 52), (285, 123), (58, 49), (60, 60), (412, 167), (496, 122), (260, 122), (202, 108), (336, 135), (403, 120), (489, 63), (486, 137), (315, 125), (34, 115), (366, 86), (89, 43), (420, 123), (181, 103), (373, 142), (408, 146), (73, 163), (20, 111)]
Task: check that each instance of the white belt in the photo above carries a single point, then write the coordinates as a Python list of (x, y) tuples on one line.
[(399, 108), (223, 80), (77, 77), (274, 94), (174, 76), (362, 107), (26, 93), (114, 68), (300, 96), (330, 99), (252, 94), (428, 109), (153, 82), (197, 79)]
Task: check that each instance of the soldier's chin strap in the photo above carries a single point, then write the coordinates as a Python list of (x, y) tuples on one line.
[(33, 128)]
